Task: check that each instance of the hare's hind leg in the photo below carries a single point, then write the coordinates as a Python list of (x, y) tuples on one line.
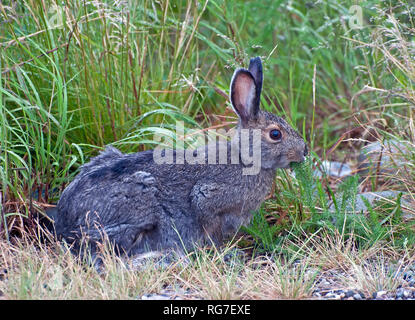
[(125, 212), (136, 213)]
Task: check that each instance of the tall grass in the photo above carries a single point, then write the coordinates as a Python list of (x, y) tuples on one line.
[(79, 75), (380, 107)]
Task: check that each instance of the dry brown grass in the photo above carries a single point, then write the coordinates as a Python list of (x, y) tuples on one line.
[(31, 270)]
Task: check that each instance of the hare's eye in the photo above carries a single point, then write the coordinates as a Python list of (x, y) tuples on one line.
[(275, 134)]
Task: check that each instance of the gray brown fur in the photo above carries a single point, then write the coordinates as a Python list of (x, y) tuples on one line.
[(141, 205)]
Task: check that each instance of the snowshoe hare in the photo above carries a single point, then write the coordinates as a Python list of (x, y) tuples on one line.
[(141, 205)]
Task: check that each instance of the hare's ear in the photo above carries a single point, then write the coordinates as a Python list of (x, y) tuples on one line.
[(255, 68), (244, 99)]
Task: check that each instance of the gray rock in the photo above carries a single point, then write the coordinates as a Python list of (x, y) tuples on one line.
[(157, 259), (407, 293), (333, 296), (371, 198), (357, 296), (155, 297), (387, 157), (333, 169), (403, 293), (409, 276), (349, 293), (381, 294), (359, 206)]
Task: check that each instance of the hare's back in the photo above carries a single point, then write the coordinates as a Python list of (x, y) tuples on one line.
[(111, 189)]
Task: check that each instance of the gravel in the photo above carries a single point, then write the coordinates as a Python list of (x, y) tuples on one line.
[(327, 286), (405, 291), (333, 169)]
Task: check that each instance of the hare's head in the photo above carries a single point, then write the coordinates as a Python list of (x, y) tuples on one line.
[(280, 143)]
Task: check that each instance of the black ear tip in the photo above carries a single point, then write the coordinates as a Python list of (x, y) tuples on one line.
[(257, 62), (256, 59)]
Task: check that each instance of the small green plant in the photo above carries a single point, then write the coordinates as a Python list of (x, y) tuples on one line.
[(335, 216), (264, 233)]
